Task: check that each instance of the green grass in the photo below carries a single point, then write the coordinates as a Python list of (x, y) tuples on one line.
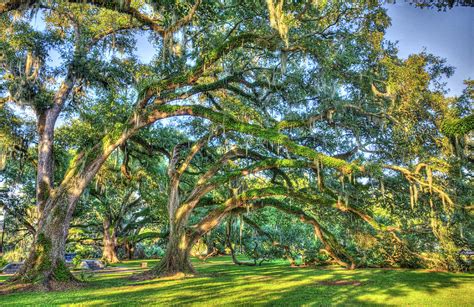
[(222, 283)]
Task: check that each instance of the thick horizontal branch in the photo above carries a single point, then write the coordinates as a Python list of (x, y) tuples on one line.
[(271, 135)]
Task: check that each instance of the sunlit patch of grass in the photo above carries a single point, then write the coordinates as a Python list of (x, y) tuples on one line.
[(221, 283)]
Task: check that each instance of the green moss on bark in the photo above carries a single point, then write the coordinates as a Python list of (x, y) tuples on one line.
[(269, 134)]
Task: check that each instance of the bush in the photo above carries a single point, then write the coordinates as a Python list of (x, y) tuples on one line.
[(3, 262), (315, 257), (86, 275), (76, 261), (15, 255), (153, 251), (105, 261), (85, 251)]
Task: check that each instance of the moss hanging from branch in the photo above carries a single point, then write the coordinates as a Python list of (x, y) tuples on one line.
[(277, 18), (319, 174), (423, 183), (3, 158), (269, 134)]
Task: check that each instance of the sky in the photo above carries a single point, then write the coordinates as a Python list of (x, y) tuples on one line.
[(447, 34)]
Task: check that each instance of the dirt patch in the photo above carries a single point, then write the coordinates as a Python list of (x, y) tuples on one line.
[(437, 271), (115, 270), (8, 287), (262, 278), (340, 283), (213, 274)]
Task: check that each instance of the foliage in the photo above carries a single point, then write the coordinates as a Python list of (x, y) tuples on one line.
[(3, 262), (153, 251), (76, 261)]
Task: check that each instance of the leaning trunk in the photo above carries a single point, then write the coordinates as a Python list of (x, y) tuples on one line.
[(109, 252), (45, 262)]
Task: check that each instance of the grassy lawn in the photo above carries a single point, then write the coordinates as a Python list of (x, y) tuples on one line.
[(222, 283)]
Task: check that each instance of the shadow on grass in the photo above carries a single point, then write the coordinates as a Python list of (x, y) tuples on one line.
[(222, 283)]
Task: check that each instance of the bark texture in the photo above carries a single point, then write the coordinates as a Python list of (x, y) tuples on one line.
[(109, 252), (45, 263), (177, 256)]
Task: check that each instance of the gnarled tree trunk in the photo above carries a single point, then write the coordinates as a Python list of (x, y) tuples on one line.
[(45, 263), (177, 257), (46, 120), (44, 173)]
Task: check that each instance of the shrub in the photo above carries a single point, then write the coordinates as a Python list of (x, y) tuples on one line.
[(76, 261), (3, 262), (152, 251)]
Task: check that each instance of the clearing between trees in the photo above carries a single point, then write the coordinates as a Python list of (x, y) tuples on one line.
[(221, 283)]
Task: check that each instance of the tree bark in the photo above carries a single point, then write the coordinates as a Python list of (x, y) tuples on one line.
[(177, 256), (109, 252), (44, 174), (45, 264), (129, 249), (46, 120)]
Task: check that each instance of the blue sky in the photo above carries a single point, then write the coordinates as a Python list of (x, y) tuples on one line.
[(447, 34)]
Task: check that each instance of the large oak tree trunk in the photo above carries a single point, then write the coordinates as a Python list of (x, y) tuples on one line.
[(44, 174), (45, 263), (109, 252), (177, 256)]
